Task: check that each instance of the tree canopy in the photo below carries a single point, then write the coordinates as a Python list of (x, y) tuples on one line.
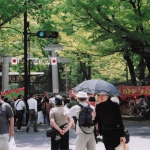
[(104, 39)]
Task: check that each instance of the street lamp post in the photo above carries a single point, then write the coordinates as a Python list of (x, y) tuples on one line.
[(26, 25)]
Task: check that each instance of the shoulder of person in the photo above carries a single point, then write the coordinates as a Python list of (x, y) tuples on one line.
[(6, 105), (53, 109), (113, 104), (92, 107), (75, 107), (16, 101)]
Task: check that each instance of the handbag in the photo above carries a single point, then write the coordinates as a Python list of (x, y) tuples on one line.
[(11, 143), (51, 132), (122, 146), (127, 136)]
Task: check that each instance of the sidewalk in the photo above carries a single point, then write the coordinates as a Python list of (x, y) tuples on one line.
[(134, 118), (139, 137)]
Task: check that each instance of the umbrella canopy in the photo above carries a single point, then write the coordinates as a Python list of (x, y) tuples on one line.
[(96, 86)]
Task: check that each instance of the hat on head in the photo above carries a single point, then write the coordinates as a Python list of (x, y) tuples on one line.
[(82, 95), (58, 101)]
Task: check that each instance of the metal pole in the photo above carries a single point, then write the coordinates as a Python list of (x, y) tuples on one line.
[(29, 61), (25, 55)]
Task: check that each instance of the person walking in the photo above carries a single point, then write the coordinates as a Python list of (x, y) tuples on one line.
[(19, 110), (85, 135), (33, 114), (45, 99), (46, 106), (110, 124), (62, 124), (6, 124)]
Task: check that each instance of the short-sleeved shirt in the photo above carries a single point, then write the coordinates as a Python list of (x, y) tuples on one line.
[(19, 104), (5, 114), (74, 111), (32, 103), (58, 114)]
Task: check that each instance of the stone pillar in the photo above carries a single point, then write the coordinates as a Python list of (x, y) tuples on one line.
[(5, 74), (55, 83)]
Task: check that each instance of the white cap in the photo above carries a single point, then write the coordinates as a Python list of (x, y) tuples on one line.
[(82, 95)]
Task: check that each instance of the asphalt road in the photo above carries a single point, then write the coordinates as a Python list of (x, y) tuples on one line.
[(139, 139)]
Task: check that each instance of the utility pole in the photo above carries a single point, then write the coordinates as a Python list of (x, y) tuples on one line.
[(40, 34), (26, 25)]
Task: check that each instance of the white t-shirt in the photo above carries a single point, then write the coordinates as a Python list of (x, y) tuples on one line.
[(32, 104), (20, 104), (74, 111), (52, 100)]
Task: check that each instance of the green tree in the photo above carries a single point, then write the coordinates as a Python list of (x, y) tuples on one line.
[(125, 23)]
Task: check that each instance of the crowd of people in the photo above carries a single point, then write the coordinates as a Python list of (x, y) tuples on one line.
[(62, 113), (134, 106)]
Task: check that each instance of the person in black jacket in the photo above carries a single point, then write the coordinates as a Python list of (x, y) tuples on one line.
[(110, 124)]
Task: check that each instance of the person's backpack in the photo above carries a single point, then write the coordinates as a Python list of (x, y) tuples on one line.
[(85, 116)]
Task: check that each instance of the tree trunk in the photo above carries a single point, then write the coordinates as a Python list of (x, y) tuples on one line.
[(141, 69), (131, 69)]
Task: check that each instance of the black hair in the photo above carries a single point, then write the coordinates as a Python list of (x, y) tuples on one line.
[(58, 101), (5, 99), (82, 99), (92, 99), (31, 95), (20, 96)]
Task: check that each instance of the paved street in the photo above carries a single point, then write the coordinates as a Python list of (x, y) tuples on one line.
[(140, 137)]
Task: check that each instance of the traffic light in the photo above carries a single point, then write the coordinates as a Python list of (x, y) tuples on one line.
[(46, 34)]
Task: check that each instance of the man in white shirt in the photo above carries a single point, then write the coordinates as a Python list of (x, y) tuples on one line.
[(85, 135), (19, 110), (32, 104)]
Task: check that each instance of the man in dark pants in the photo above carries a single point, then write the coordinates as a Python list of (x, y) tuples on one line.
[(32, 103), (62, 124), (19, 110)]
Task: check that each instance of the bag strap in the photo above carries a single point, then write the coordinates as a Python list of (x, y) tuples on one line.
[(17, 103), (82, 105), (86, 132), (62, 125)]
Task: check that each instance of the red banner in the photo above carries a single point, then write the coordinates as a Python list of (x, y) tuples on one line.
[(11, 94), (132, 91)]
